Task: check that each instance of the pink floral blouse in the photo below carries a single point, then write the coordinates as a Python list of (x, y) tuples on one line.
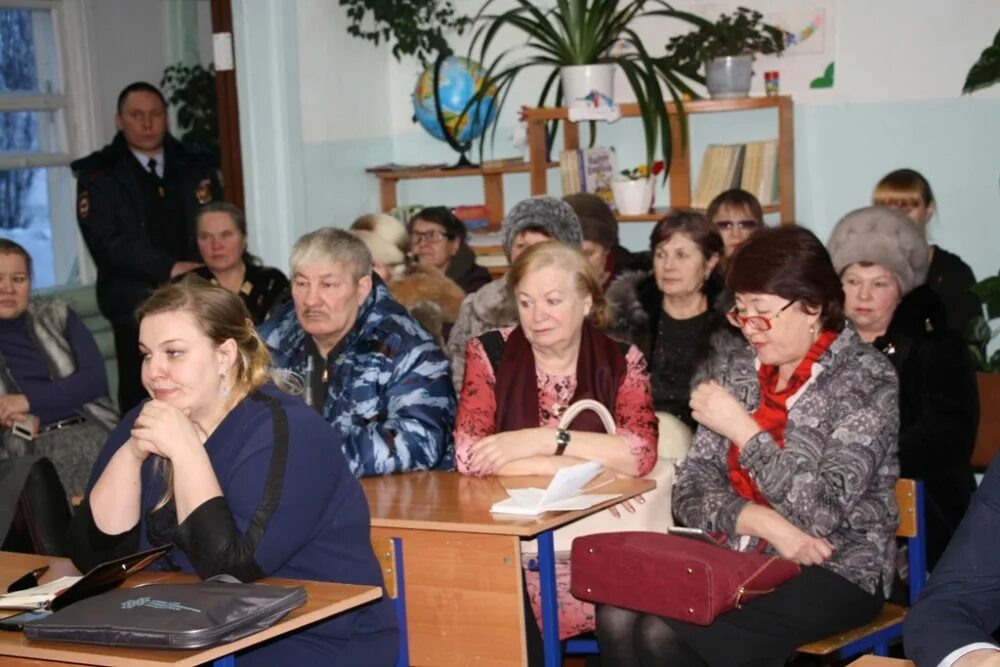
[(633, 410)]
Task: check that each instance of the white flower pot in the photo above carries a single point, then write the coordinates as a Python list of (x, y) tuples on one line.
[(728, 77), (633, 197), (588, 85)]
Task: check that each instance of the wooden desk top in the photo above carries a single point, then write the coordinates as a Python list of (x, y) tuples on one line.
[(875, 661), (324, 600), (449, 501)]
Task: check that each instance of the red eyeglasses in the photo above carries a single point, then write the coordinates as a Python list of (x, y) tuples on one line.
[(755, 323)]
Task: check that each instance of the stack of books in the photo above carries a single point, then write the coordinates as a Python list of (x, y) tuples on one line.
[(752, 166)]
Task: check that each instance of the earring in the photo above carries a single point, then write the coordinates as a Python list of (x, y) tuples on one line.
[(224, 389)]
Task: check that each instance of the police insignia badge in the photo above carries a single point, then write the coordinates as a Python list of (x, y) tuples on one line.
[(204, 192), (83, 205)]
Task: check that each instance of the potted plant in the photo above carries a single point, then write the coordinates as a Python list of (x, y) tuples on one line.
[(986, 71), (578, 34), (726, 49), (633, 189), (413, 27), (988, 377), (191, 89)]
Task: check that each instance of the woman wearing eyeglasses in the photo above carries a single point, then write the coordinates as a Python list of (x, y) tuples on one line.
[(669, 313), (737, 214), (796, 455), (437, 238)]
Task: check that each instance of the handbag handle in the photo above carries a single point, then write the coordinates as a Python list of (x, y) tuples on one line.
[(588, 404)]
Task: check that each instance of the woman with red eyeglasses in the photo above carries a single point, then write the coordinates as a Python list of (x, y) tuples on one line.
[(795, 454), (737, 214)]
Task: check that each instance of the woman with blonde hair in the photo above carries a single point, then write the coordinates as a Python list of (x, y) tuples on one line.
[(520, 380), (947, 274), (207, 465)]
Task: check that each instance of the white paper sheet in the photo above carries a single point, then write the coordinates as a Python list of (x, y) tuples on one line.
[(561, 495)]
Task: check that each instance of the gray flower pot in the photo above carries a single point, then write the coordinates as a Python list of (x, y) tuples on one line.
[(728, 77)]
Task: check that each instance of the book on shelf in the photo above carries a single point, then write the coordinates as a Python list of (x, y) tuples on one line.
[(473, 217), (589, 170), (500, 163), (752, 167)]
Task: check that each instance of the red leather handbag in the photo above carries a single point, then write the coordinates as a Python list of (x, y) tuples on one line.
[(671, 576)]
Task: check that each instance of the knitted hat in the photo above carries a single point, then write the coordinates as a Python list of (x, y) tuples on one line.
[(548, 215), (883, 236), (598, 223)]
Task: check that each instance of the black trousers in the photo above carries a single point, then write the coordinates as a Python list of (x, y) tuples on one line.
[(764, 633), (130, 389)]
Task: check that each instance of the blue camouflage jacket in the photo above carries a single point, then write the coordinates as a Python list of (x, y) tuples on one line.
[(389, 394)]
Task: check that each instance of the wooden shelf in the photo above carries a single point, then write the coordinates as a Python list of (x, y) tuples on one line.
[(492, 177), (659, 211), (680, 168)]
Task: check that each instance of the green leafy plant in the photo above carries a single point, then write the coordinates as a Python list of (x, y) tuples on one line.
[(741, 33), (584, 32), (191, 89), (413, 27), (988, 291), (986, 71)]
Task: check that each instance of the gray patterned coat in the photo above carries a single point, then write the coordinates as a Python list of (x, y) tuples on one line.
[(836, 475)]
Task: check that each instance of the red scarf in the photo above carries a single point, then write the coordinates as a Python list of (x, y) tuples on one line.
[(772, 413)]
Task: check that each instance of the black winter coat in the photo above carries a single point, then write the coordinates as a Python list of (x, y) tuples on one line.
[(113, 213), (938, 410)]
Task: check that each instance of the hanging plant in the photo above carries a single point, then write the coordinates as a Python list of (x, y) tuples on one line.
[(413, 27), (191, 89)]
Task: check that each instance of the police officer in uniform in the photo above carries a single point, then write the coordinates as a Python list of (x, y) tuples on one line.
[(137, 200)]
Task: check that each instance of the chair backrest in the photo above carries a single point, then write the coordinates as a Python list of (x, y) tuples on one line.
[(389, 552), (910, 499), (41, 515)]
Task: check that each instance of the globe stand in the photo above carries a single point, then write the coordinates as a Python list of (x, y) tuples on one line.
[(463, 161)]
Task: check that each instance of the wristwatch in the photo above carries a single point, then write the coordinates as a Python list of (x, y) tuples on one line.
[(562, 439)]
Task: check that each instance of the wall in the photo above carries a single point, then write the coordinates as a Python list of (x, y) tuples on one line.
[(895, 102)]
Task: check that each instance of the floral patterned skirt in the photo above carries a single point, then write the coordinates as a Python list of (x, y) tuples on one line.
[(575, 616)]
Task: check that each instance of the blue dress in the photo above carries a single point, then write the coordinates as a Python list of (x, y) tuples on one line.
[(319, 530)]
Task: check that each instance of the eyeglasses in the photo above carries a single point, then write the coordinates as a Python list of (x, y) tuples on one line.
[(755, 323), (416, 238), (744, 225)]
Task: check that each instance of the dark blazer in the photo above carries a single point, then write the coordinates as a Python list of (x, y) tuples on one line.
[(113, 214), (961, 604)]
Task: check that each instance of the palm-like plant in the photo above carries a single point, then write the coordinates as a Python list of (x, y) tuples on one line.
[(584, 32)]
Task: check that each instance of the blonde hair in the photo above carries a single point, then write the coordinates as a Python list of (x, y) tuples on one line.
[(903, 188), (221, 316), (569, 259)]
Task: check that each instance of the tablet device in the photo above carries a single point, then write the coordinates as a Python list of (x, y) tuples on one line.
[(694, 533), (100, 579)]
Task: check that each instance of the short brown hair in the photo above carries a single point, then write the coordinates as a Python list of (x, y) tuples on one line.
[(694, 225), (903, 188), (736, 198), (571, 260), (790, 262)]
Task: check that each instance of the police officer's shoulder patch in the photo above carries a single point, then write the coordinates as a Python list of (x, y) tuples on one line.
[(83, 204), (204, 191)]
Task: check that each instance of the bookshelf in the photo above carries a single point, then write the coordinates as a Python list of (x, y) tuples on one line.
[(680, 169), (492, 177)]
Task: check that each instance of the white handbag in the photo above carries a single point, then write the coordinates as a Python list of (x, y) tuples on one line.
[(655, 513)]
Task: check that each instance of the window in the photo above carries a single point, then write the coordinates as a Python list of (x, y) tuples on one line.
[(36, 196)]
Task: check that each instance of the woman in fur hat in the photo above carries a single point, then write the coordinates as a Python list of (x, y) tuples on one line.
[(669, 313), (882, 260)]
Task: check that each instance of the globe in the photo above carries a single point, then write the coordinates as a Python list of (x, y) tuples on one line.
[(459, 79)]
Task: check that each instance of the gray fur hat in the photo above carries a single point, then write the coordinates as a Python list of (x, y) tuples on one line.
[(883, 236), (546, 214)]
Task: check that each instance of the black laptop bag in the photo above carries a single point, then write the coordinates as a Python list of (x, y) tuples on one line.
[(181, 616)]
